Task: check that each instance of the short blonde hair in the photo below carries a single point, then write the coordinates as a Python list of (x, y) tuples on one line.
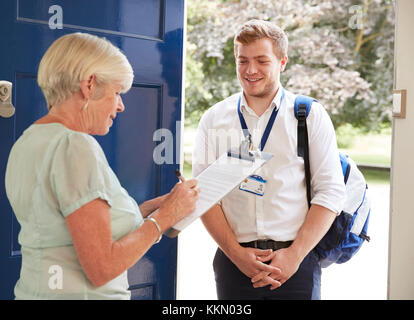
[(255, 29), (75, 57)]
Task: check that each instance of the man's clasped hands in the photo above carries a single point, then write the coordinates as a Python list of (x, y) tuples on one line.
[(267, 267)]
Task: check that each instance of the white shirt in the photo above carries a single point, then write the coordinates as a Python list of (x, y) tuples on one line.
[(281, 211)]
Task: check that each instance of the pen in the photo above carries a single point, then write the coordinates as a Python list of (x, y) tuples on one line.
[(179, 176)]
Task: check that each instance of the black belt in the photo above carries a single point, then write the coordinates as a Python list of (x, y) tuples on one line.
[(267, 244)]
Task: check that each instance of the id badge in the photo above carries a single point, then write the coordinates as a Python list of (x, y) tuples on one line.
[(254, 184)]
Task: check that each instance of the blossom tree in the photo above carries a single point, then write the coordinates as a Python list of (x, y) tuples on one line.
[(340, 52)]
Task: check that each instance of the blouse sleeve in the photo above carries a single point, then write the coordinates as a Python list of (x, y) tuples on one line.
[(79, 173)]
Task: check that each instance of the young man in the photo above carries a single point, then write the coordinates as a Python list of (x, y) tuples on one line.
[(266, 240)]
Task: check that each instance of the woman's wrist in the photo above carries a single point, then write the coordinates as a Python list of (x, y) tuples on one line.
[(150, 206), (147, 207), (155, 222), (163, 218)]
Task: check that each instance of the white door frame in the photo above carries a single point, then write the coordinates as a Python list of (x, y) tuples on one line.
[(401, 237)]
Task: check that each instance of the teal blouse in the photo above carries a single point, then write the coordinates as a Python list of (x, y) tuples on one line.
[(51, 172)]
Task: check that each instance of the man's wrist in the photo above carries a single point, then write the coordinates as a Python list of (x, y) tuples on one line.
[(233, 250), (299, 250)]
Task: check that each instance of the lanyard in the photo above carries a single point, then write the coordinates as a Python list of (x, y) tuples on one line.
[(269, 124)]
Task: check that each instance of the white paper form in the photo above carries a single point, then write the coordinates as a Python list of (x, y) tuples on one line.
[(216, 181)]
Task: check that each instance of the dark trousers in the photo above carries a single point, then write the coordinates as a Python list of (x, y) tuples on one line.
[(232, 284)]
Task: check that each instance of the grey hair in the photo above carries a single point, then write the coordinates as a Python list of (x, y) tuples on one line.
[(75, 57)]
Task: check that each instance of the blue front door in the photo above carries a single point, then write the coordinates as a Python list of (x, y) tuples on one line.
[(150, 33)]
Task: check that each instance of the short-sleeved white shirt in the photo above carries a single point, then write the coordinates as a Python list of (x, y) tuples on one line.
[(51, 172), (281, 211)]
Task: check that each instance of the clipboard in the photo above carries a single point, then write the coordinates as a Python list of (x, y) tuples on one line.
[(220, 178)]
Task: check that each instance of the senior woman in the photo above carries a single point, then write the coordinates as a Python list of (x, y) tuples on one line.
[(77, 222)]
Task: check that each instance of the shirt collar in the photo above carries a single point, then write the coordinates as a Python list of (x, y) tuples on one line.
[(274, 104)]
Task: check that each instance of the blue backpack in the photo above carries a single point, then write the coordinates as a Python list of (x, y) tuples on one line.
[(349, 230)]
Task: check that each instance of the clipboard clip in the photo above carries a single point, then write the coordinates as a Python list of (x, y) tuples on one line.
[(245, 151)]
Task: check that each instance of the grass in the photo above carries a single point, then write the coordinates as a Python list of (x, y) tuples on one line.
[(371, 148), (187, 170), (376, 176), (373, 159)]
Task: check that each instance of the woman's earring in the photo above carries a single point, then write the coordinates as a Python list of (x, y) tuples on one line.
[(86, 105)]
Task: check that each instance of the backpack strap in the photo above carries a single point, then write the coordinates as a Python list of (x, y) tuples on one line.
[(302, 108)]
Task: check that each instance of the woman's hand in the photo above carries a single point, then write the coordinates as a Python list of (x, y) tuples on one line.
[(178, 204), (151, 205)]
